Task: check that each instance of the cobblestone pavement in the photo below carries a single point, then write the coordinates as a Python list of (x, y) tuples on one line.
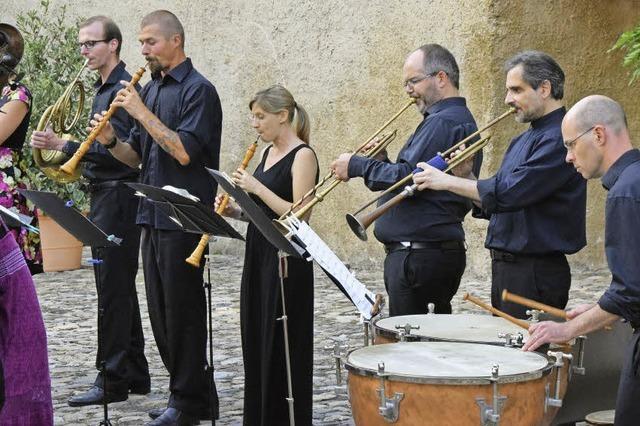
[(68, 303)]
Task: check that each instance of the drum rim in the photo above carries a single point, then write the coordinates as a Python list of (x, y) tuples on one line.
[(450, 380), (385, 332)]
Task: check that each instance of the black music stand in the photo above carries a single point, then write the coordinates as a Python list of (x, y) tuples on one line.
[(285, 248), (17, 220), (193, 217), (90, 235)]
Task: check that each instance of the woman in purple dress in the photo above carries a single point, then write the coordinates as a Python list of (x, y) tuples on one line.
[(15, 107)]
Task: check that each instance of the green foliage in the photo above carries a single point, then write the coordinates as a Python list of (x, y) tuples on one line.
[(629, 41), (51, 61)]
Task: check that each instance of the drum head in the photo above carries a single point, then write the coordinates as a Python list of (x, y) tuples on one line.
[(444, 362), (472, 328)]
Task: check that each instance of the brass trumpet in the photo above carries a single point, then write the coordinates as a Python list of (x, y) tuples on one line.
[(71, 165), (319, 196), (359, 221), (196, 256), (57, 116)]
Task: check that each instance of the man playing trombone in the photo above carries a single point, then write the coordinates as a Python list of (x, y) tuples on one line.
[(113, 209), (535, 203), (423, 237)]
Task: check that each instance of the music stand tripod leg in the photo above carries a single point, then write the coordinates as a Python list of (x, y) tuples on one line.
[(282, 271), (212, 385), (97, 262)]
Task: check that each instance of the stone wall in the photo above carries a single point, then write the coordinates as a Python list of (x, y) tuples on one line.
[(342, 61)]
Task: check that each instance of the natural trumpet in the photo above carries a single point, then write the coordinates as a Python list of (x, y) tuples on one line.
[(57, 116), (196, 257), (359, 221), (319, 196), (70, 166)]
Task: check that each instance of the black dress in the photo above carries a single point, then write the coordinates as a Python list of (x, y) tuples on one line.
[(265, 386)]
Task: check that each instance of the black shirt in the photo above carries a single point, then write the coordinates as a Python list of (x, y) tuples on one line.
[(188, 104), (622, 237), (99, 164), (536, 202), (428, 215)]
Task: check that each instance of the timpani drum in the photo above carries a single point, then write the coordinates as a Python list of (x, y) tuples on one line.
[(470, 328), (443, 383)]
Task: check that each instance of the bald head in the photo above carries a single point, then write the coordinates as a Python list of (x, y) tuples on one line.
[(169, 24), (598, 109)]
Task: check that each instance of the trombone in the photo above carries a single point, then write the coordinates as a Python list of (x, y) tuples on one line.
[(359, 221), (370, 153)]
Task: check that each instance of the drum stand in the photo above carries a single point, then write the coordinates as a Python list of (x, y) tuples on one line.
[(282, 272)]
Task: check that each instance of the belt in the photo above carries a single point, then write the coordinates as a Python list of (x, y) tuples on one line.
[(95, 187), (410, 245), (506, 256)]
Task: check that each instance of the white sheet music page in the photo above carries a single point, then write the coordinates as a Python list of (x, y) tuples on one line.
[(362, 298)]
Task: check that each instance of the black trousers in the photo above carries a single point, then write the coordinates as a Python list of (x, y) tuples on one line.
[(416, 277), (177, 310), (121, 342), (627, 403), (545, 279)]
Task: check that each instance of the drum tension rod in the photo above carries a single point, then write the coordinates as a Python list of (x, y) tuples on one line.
[(534, 315), (389, 407), (490, 414), (579, 369), (511, 340), (556, 401), (405, 330), (339, 351)]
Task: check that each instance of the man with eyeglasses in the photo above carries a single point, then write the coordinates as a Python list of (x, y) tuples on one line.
[(535, 203), (604, 151), (423, 235), (113, 209)]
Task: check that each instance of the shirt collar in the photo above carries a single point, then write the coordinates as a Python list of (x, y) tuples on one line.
[(114, 76), (178, 73), (445, 103), (552, 119), (611, 177)]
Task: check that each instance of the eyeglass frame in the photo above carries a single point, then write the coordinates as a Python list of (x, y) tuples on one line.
[(570, 144), (90, 44), (416, 80)]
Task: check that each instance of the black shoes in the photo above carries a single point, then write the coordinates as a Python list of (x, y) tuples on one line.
[(171, 417), (157, 412), (94, 396)]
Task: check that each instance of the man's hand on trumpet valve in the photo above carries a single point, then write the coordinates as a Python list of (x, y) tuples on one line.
[(340, 167), (431, 178), (246, 181), (232, 208), (129, 99), (546, 332), (47, 140)]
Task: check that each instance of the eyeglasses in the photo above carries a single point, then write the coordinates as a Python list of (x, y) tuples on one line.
[(90, 44), (411, 83), (570, 144)]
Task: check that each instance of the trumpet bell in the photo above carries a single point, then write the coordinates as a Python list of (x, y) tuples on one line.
[(357, 227)]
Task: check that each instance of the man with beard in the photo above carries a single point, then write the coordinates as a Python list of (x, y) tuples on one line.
[(535, 203), (423, 235), (113, 209), (177, 135)]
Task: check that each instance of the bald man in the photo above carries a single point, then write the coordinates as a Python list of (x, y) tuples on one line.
[(598, 145)]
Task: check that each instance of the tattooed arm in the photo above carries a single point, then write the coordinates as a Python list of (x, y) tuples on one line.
[(166, 138)]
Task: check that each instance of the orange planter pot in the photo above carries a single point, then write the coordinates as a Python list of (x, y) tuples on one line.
[(61, 251)]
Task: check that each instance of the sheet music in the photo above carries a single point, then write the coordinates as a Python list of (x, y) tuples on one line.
[(22, 219), (361, 297)]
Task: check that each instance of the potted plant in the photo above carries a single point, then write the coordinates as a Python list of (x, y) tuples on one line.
[(51, 60)]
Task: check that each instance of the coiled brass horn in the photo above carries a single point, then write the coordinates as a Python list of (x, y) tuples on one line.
[(62, 117), (385, 140)]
